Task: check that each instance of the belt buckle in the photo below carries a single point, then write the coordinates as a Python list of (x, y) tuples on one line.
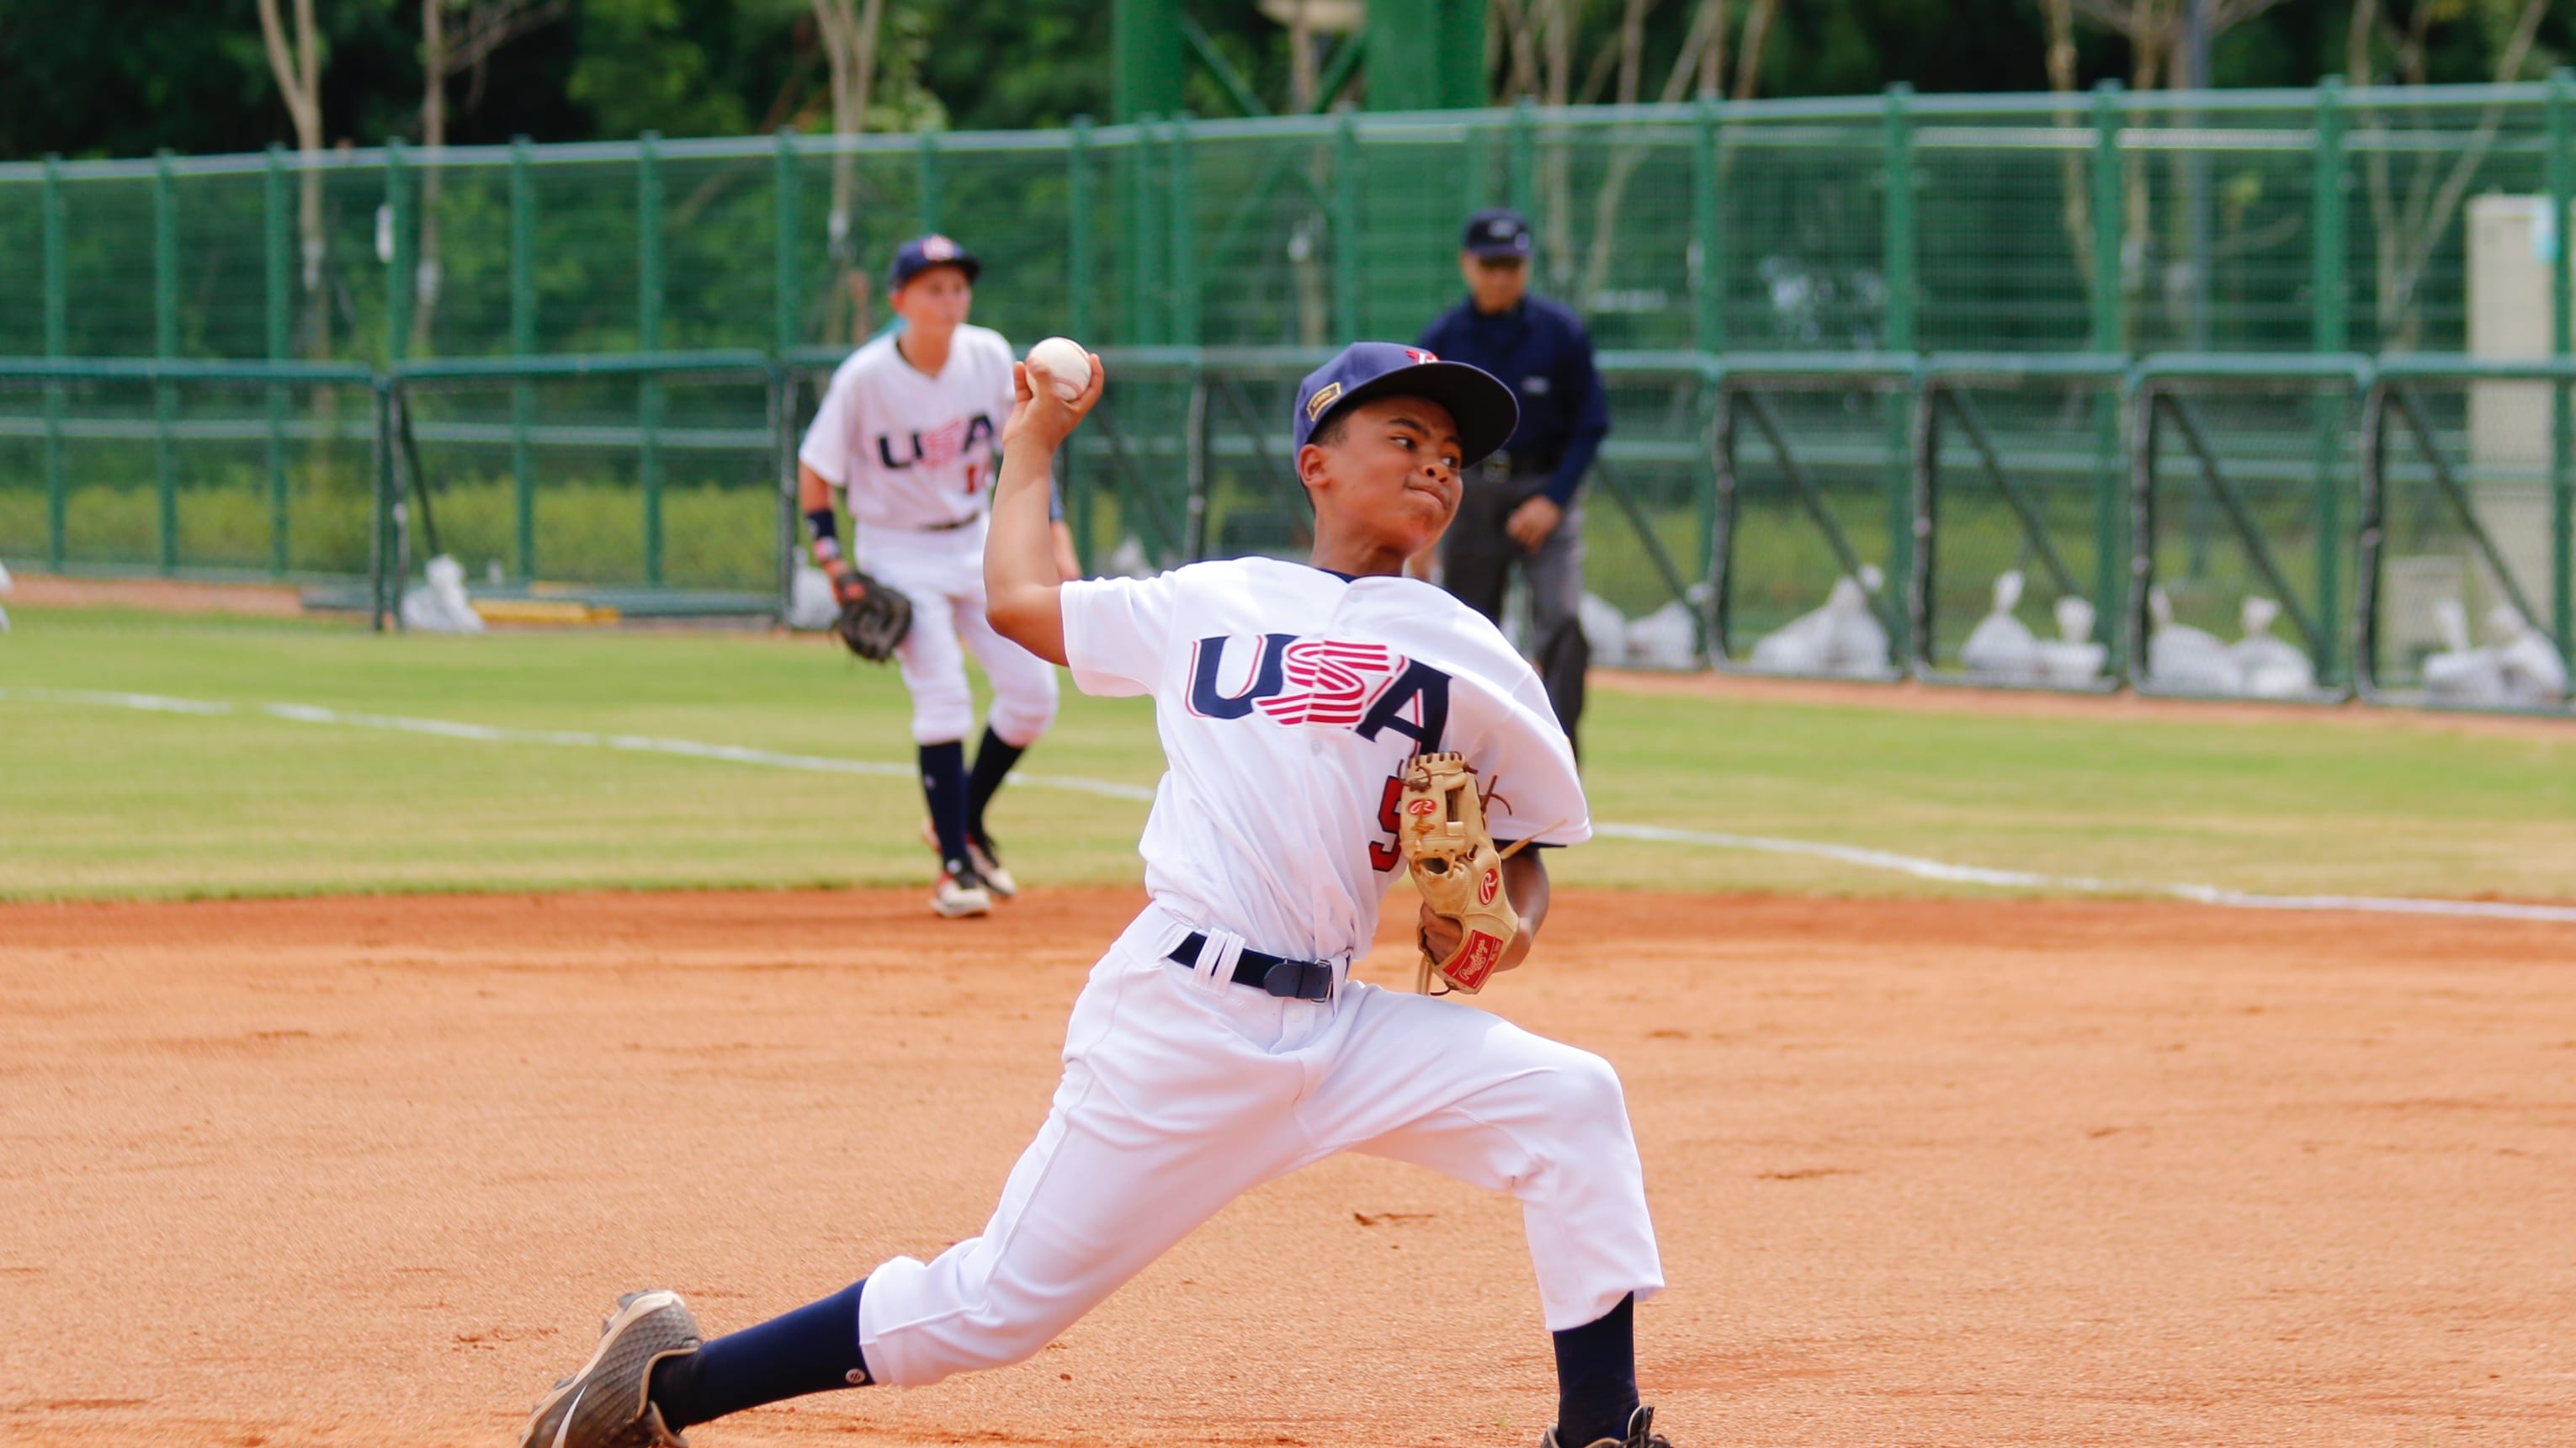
[(1300, 980)]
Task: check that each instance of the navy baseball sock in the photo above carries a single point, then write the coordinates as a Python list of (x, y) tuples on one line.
[(943, 784), (1596, 1377), (993, 759), (811, 1350)]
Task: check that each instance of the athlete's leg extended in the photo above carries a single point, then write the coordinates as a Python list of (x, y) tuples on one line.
[(1173, 1102), (1475, 1097), (943, 710)]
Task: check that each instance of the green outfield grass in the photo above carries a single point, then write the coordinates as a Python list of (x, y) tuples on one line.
[(98, 801)]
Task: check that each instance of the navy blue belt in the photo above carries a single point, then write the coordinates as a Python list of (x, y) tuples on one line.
[(1295, 980)]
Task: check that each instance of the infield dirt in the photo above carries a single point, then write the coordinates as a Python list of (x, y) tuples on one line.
[(366, 1172)]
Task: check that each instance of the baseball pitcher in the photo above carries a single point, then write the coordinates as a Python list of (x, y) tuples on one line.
[(1324, 723)]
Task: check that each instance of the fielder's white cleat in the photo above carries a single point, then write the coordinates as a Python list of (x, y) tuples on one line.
[(609, 1403), (979, 853), (996, 879), (958, 896)]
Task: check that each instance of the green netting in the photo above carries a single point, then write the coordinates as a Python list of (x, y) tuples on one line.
[(1822, 492), (191, 477), (2027, 479), (2265, 507), (2465, 525), (666, 480)]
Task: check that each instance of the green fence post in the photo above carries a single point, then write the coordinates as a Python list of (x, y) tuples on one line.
[(398, 274), (2109, 334), (1524, 159), (648, 337), (2562, 337), (523, 343), (1896, 234), (277, 278), (1080, 261), (1471, 169), (2330, 332), (1708, 226), (1897, 251), (165, 344), (1185, 269), (1346, 230), (787, 325), (1080, 264), (926, 168), (57, 343)]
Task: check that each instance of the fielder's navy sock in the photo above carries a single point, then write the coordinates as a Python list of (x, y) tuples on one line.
[(811, 1350), (943, 784), (993, 759), (1596, 1377)]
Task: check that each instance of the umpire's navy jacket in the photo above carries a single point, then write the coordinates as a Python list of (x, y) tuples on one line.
[(1538, 348)]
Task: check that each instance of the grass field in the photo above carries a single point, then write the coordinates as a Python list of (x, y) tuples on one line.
[(109, 802)]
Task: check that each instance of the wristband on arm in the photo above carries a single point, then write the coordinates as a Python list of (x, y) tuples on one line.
[(826, 532)]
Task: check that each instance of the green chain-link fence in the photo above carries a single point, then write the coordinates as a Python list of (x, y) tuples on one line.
[(1717, 240)]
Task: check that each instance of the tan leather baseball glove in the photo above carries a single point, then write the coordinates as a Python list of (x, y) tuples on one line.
[(1454, 864)]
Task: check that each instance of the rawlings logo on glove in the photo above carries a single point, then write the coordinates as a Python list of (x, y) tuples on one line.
[(1454, 864)]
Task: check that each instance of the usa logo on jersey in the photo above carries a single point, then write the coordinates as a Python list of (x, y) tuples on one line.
[(1317, 683)]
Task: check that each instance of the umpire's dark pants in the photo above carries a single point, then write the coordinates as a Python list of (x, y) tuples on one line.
[(1475, 565)]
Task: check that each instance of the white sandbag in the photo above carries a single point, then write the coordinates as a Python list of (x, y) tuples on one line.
[(2267, 667), (2184, 658), (2001, 649), (1605, 630), (1798, 646), (1856, 643), (2458, 673), (2072, 660), (1664, 639), (440, 606), (5, 586), (810, 604), (2532, 674), (1128, 560)]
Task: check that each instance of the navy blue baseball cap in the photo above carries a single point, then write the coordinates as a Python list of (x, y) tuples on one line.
[(1484, 409), (924, 252), (1497, 231)]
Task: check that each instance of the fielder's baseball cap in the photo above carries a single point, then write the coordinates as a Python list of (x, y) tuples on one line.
[(1497, 231), (924, 252), (1484, 409)]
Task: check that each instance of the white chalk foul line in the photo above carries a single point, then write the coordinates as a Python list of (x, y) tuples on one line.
[(1868, 859)]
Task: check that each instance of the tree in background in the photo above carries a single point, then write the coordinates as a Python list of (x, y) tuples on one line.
[(2408, 228), (297, 63)]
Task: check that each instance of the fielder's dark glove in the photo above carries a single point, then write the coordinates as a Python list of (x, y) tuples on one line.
[(874, 618)]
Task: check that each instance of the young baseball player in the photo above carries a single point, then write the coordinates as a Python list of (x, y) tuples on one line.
[(907, 428), (1221, 1041)]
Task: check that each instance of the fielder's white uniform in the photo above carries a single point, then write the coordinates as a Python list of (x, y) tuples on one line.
[(1288, 700), (915, 455)]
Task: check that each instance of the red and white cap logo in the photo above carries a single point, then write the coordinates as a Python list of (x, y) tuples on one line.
[(1419, 356)]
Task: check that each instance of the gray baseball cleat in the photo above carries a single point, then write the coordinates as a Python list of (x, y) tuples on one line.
[(1641, 1434), (608, 1404)]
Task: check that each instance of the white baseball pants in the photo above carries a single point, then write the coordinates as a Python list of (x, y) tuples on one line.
[(943, 574), (1182, 1090)]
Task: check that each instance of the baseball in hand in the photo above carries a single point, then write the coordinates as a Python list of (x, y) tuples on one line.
[(1066, 363)]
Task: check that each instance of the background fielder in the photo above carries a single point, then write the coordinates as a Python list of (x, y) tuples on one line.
[(908, 429), (1220, 1042)]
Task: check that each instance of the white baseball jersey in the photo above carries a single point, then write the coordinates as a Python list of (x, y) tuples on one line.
[(1288, 700), (913, 451)]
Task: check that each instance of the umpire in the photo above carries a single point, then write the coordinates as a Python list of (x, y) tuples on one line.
[(1522, 503)]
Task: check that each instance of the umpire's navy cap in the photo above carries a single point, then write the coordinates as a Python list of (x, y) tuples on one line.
[(1497, 231), (924, 252), (1484, 409)]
